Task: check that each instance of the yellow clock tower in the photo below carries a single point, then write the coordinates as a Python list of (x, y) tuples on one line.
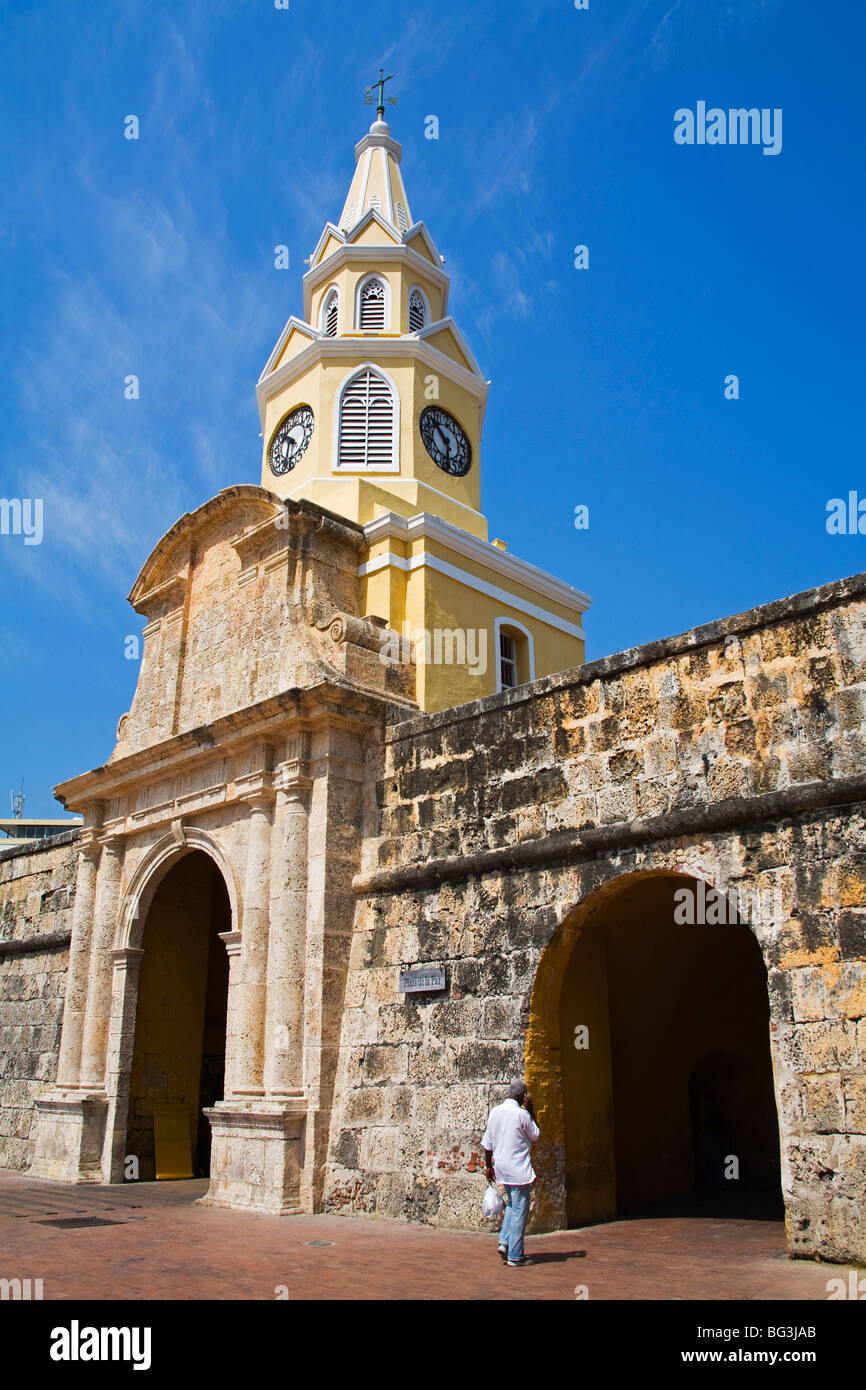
[(372, 406)]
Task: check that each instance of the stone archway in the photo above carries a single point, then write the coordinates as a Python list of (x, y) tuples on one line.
[(153, 868), (628, 1009), (178, 1059)]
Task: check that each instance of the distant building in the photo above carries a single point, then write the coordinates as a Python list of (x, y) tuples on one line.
[(22, 831)]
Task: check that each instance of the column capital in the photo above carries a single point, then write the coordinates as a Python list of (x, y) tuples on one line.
[(292, 779), (88, 842), (232, 940), (112, 843), (257, 789)]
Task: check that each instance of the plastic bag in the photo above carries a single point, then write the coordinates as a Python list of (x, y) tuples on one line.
[(492, 1204)]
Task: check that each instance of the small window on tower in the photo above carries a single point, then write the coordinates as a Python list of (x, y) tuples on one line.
[(417, 311), (375, 202), (330, 314), (349, 215), (402, 220), (515, 652), (507, 660), (372, 315)]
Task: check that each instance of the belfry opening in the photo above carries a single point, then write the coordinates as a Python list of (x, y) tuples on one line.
[(178, 1067), (649, 1052)]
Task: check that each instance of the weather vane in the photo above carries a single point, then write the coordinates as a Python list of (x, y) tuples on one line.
[(380, 110)]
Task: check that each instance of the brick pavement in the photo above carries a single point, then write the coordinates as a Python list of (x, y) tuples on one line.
[(165, 1246)]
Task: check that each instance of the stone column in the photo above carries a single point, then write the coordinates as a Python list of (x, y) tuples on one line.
[(284, 1033), (232, 941), (254, 932), (121, 1047), (99, 985), (75, 1001)]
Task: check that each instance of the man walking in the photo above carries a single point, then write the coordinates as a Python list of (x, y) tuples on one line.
[(510, 1133)]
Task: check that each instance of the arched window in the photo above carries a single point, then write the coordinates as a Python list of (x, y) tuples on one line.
[(371, 315), (330, 313), (368, 421), (402, 220), (515, 656), (417, 310), (507, 659)]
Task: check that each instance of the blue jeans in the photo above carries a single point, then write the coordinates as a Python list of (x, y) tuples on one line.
[(514, 1222)]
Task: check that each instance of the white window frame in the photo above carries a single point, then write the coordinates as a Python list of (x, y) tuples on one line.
[(507, 623), (383, 280), (323, 317), (394, 466), (416, 289)]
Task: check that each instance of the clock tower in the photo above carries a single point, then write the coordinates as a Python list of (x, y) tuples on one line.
[(372, 406)]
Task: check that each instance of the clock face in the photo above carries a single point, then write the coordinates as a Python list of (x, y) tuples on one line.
[(290, 440), (445, 441)]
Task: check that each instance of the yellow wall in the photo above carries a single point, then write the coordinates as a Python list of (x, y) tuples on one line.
[(428, 600)]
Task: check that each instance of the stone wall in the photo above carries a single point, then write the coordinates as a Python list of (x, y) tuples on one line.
[(733, 753), (37, 888)]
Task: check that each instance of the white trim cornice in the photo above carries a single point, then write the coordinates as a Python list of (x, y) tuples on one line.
[(420, 229), (472, 581), (426, 526), (446, 324), (382, 142), (410, 347), (308, 331)]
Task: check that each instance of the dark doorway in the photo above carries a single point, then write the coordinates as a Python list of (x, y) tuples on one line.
[(180, 1029), (670, 1107)]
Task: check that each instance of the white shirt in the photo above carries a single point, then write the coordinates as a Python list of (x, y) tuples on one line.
[(510, 1132)]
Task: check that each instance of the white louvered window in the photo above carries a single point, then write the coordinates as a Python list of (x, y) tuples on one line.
[(349, 215), (375, 202), (367, 423), (373, 306), (417, 311), (402, 221), (330, 314)]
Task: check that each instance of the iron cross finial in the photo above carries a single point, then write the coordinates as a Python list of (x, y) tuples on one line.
[(380, 110)]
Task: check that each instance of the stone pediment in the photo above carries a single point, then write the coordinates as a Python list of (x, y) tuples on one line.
[(245, 598)]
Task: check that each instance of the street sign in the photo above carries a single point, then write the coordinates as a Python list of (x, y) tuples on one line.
[(416, 980)]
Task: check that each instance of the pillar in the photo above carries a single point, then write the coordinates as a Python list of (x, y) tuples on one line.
[(99, 985), (75, 1001), (232, 941), (254, 930), (126, 962), (284, 1033)]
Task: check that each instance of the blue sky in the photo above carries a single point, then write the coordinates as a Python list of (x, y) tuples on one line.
[(155, 257)]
